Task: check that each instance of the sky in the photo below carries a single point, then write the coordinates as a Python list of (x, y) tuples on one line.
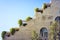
[(13, 10)]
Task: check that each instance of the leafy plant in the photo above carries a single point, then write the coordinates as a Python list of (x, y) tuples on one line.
[(20, 22), (53, 30), (38, 10), (44, 6), (12, 31), (28, 18), (34, 35), (3, 34)]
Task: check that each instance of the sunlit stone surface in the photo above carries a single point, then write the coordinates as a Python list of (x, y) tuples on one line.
[(41, 24)]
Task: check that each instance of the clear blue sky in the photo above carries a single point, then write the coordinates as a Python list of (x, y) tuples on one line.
[(13, 10)]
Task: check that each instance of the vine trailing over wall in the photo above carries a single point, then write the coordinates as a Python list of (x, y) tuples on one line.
[(34, 35), (53, 30)]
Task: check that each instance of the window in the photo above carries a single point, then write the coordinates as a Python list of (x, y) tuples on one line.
[(44, 32), (57, 18)]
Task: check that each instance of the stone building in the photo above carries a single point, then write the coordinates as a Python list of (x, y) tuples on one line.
[(41, 23)]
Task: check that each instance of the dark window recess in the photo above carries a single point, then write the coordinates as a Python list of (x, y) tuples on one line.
[(44, 32), (24, 24), (8, 35), (57, 18), (40, 11)]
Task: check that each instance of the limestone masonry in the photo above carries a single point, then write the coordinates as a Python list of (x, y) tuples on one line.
[(41, 23)]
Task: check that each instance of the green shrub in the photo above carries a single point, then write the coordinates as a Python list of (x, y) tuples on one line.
[(54, 30), (28, 18), (20, 22), (44, 6), (3, 34), (38, 10), (12, 31)]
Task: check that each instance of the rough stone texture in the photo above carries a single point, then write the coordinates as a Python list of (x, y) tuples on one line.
[(36, 24)]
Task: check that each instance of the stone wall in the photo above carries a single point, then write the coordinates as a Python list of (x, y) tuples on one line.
[(41, 20)]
